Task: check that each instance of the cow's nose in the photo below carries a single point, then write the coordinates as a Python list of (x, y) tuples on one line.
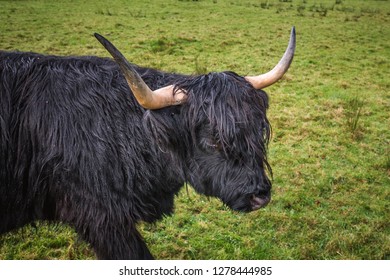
[(260, 200)]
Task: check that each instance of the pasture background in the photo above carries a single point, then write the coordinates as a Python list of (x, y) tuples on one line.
[(330, 118)]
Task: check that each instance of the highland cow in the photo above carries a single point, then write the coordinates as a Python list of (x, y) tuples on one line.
[(101, 145)]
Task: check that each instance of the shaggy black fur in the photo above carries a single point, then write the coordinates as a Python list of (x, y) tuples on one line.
[(76, 147)]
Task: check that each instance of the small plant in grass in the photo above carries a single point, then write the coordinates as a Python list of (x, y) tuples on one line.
[(264, 5), (200, 68), (353, 111), (300, 10), (387, 163)]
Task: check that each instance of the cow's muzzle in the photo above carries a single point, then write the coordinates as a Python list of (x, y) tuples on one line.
[(260, 200)]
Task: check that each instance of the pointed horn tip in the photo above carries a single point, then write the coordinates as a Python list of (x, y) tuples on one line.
[(115, 53), (101, 39), (292, 34), (292, 42), (97, 36)]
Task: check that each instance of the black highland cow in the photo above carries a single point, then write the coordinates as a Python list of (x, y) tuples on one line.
[(100, 145)]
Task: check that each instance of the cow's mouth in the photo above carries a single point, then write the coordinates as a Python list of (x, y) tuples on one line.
[(258, 201)]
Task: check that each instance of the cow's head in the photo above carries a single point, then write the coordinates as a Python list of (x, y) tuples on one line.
[(223, 128)]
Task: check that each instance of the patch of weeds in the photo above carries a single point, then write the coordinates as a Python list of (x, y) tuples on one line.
[(265, 5), (168, 45), (200, 67), (300, 10), (345, 9), (106, 12), (160, 45), (138, 14), (369, 10), (353, 111), (387, 163), (319, 9)]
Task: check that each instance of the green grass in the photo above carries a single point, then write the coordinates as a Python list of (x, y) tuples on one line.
[(330, 117)]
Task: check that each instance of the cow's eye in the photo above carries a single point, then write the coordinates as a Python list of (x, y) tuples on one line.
[(213, 145)]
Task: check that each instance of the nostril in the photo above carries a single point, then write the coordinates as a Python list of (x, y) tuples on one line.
[(260, 200)]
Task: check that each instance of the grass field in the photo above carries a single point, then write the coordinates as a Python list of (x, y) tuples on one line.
[(330, 149)]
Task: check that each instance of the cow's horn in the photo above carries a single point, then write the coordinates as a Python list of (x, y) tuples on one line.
[(147, 98), (275, 74)]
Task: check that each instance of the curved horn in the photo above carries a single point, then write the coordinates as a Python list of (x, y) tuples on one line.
[(271, 77), (147, 98)]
